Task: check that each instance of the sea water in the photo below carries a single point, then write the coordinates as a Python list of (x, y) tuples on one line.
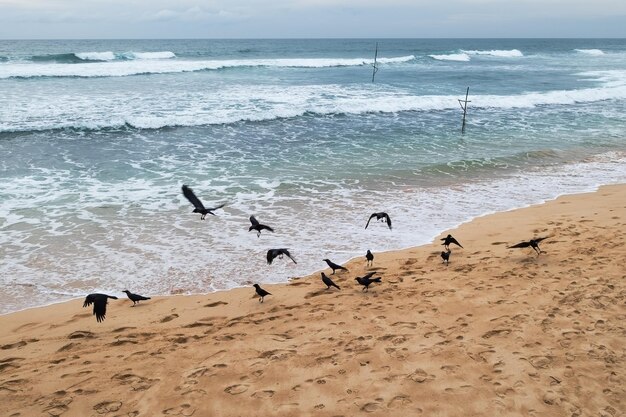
[(97, 137)]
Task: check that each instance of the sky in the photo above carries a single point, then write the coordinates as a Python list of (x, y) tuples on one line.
[(129, 19)]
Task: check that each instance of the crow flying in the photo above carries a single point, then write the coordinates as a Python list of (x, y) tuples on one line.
[(99, 302), (367, 280), (258, 226), (199, 207), (274, 253), (533, 243), (262, 293), (446, 256), (370, 257), (384, 217), (334, 266), (329, 282), (135, 298), (449, 239)]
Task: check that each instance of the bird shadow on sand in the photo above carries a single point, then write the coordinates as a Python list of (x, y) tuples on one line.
[(318, 293)]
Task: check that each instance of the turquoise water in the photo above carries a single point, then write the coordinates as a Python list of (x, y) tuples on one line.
[(97, 137)]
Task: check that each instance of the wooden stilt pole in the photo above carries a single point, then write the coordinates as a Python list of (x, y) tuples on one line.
[(464, 107), (375, 64)]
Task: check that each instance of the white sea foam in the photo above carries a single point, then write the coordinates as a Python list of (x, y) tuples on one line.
[(142, 234), (158, 65), (96, 56), (232, 104), (396, 59), (594, 52), (149, 55), (511, 53), (451, 57)]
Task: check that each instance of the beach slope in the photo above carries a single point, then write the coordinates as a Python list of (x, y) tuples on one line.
[(496, 332)]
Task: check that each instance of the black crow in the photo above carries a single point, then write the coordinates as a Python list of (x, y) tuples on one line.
[(370, 257), (199, 207), (367, 280), (99, 302), (329, 282), (446, 256), (262, 293), (258, 226), (384, 217), (533, 243), (449, 239), (135, 298), (274, 253), (334, 266)]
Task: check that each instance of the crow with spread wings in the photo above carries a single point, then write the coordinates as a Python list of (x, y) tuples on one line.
[(198, 206), (99, 302), (258, 226), (533, 243), (383, 217)]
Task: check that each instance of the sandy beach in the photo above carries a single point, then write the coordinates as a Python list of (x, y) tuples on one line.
[(496, 332)]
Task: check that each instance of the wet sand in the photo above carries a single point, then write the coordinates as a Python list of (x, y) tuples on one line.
[(496, 332)]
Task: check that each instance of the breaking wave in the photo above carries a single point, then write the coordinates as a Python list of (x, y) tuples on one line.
[(512, 53), (594, 52), (451, 57), (156, 63), (262, 103)]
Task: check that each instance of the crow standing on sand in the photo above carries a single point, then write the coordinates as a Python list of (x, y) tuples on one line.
[(99, 302), (199, 207), (334, 266), (383, 217), (261, 292), (258, 226), (449, 239), (367, 280), (329, 282), (533, 243), (135, 298), (446, 256), (278, 253), (370, 257)]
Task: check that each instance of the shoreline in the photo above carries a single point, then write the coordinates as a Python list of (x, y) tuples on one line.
[(592, 189), (496, 332)]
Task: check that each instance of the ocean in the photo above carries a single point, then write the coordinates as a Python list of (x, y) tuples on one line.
[(98, 136)]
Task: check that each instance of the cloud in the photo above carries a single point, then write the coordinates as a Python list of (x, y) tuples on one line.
[(310, 18)]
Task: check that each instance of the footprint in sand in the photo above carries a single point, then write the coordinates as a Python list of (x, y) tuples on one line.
[(399, 401), (540, 362), (405, 325), (8, 363), (420, 376), (277, 354), (107, 407), (236, 389), (169, 318), (263, 394), (76, 374), (372, 407), (197, 324), (13, 345), (14, 385), (299, 283), (496, 332), (215, 304), (80, 334), (136, 382), (67, 347), (182, 410)]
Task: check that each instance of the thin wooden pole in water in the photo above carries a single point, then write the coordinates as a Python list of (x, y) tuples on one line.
[(464, 107), (375, 64)]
